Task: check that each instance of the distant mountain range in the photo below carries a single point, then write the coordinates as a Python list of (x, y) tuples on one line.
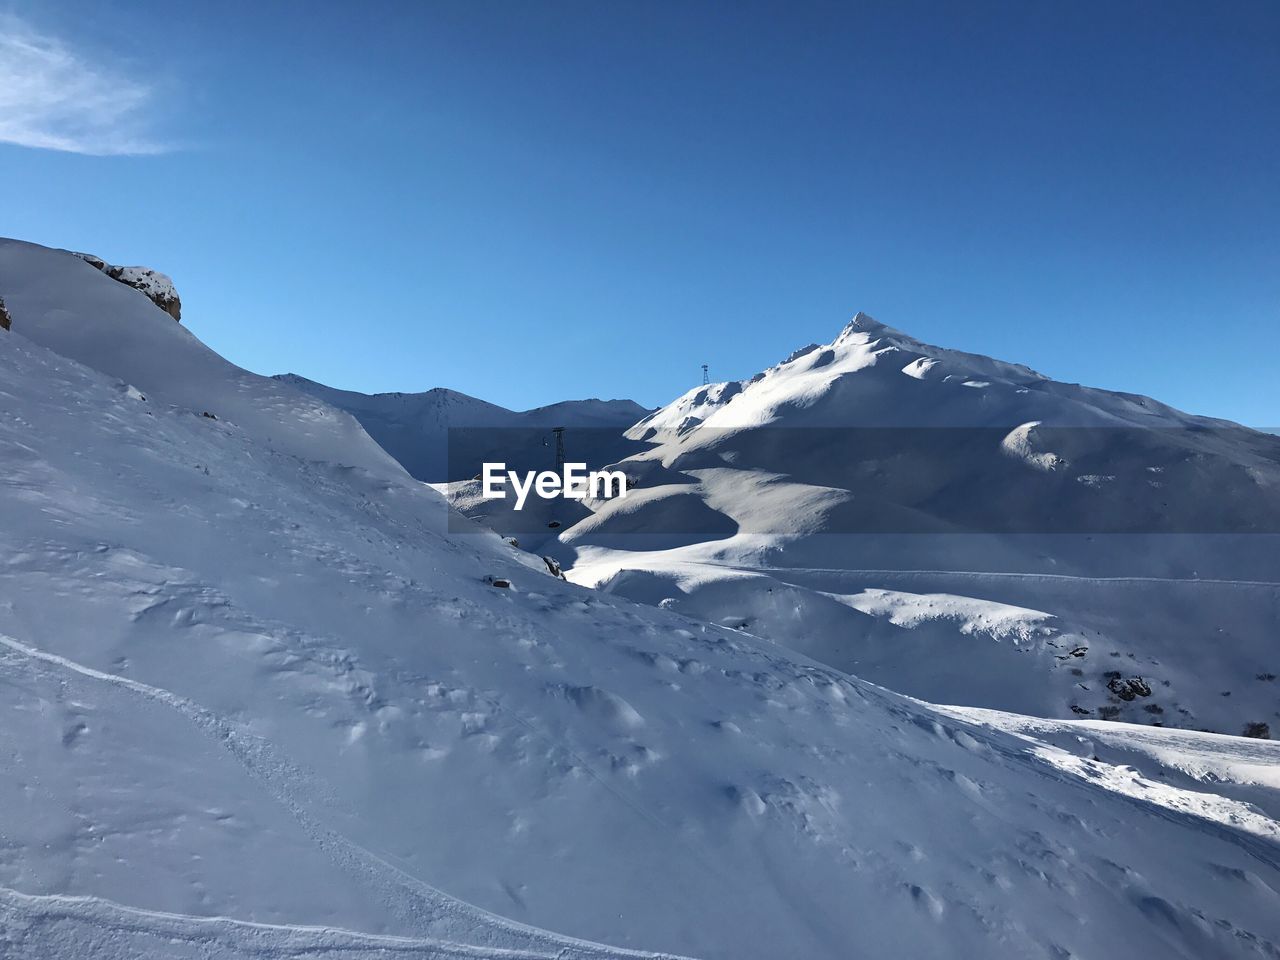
[(415, 428)]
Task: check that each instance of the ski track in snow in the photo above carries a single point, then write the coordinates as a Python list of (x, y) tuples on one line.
[(979, 574), (32, 925), (409, 896)]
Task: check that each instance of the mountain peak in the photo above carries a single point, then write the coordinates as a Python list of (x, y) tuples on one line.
[(863, 324)]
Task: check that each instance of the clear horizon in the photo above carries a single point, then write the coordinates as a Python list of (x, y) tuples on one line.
[(542, 202)]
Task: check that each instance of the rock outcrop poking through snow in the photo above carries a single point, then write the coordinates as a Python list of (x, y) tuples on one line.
[(157, 286), (5, 319)]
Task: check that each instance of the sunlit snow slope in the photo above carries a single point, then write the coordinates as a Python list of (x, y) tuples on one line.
[(964, 530), (258, 703)]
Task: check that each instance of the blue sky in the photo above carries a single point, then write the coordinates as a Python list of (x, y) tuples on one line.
[(529, 201)]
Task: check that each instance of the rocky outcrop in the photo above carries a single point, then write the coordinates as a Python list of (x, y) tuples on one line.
[(1128, 689), (5, 319), (158, 287)]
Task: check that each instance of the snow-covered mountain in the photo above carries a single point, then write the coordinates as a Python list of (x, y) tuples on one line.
[(415, 429), (259, 702), (964, 530)]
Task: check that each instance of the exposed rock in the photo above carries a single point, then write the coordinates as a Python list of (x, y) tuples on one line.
[(1128, 689), (5, 319), (1260, 731), (157, 286), (553, 567)]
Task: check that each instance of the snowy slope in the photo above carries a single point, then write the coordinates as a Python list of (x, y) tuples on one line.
[(414, 428), (963, 530), (260, 703), (58, 300)]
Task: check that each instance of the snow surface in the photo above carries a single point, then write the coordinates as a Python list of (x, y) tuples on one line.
[(260, 702)]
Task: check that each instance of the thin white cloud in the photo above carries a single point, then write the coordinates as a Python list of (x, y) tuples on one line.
[(53, 98)]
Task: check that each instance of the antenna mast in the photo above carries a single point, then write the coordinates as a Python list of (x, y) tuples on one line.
[(705, 378)]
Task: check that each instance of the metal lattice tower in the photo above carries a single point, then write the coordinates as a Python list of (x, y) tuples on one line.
[(706, 379), (559, 432)]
